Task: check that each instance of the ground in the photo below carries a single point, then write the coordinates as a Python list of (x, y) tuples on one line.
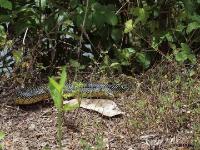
[(35, 128), (157, 116)]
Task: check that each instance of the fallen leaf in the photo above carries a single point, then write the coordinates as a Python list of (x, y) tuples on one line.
[(104, 106)]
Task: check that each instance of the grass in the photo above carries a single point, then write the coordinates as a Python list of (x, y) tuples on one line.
[(167, 104), (98, 145), (2, 136)]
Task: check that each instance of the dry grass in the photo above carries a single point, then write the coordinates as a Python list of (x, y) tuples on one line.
[(161, 113)]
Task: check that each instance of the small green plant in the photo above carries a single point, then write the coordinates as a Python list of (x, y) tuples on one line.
[(196, 139), (85, 145), (2, 136), (184, 54), (99, 144), (77, 67), (57, 92)]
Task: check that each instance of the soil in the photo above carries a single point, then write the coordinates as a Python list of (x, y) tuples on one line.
[(34, 127)]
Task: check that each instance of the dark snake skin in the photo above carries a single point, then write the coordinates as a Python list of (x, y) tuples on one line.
[(31, 95)]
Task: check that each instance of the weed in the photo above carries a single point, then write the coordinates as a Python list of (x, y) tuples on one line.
[(99, 143), (2, 136), (57, 92), (196, 140)]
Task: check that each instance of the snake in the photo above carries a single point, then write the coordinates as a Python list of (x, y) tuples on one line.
[(33, 94)]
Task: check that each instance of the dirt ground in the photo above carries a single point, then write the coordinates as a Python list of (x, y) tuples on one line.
[(34, 127)]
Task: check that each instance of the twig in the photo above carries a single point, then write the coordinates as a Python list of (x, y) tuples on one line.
[(23, 42), (82, 27), (121, 7)]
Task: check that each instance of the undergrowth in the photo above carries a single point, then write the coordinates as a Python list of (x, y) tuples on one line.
[(168, 102)]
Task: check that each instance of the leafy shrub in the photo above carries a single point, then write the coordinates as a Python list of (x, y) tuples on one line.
[(61, 30)]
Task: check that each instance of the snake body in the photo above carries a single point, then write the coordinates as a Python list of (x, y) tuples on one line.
[(34, 94)]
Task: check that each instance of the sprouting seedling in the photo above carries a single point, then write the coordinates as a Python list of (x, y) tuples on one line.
[(57, 91), (2, 136)]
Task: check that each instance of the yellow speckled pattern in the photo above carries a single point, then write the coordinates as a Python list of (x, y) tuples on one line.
[(31, 100)]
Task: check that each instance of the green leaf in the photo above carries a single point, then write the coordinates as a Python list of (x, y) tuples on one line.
[(73, 4), (142, 14), (41, 3), (98, 7), (99, 12), (74, 63), (63, 17), (169, 37), (50, 23), (180, 28), (56, 90), (129, 26), (185, 47), (106, 60), (71, 107), (181, 56), (130, 50), (116, 34), (102, 14), (189, 6), (115, 65), (192, 58), (185, 54), (98, 19), (5, 18), (88, 22), (2, 135), (63, 78), (17, 55), (111, 18), (127, 53), (22, 24), (6, 4), (156, 13), (173, 46), (2, 35), (192, 26), (79, 19), (124, 55), (55, 85), (55, 94), (143, 60), (2, 30)]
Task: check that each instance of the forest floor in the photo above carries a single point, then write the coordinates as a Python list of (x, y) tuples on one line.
[(162, 112)]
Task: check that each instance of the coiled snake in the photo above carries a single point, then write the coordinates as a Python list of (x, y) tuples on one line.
[(31, 95)]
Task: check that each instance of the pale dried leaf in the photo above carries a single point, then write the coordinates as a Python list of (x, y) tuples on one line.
[(104, 106)]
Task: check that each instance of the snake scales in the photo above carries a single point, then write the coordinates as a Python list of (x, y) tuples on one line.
[(34, 94)]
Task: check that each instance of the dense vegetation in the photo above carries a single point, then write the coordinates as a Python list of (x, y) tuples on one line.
[(116, 36)]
